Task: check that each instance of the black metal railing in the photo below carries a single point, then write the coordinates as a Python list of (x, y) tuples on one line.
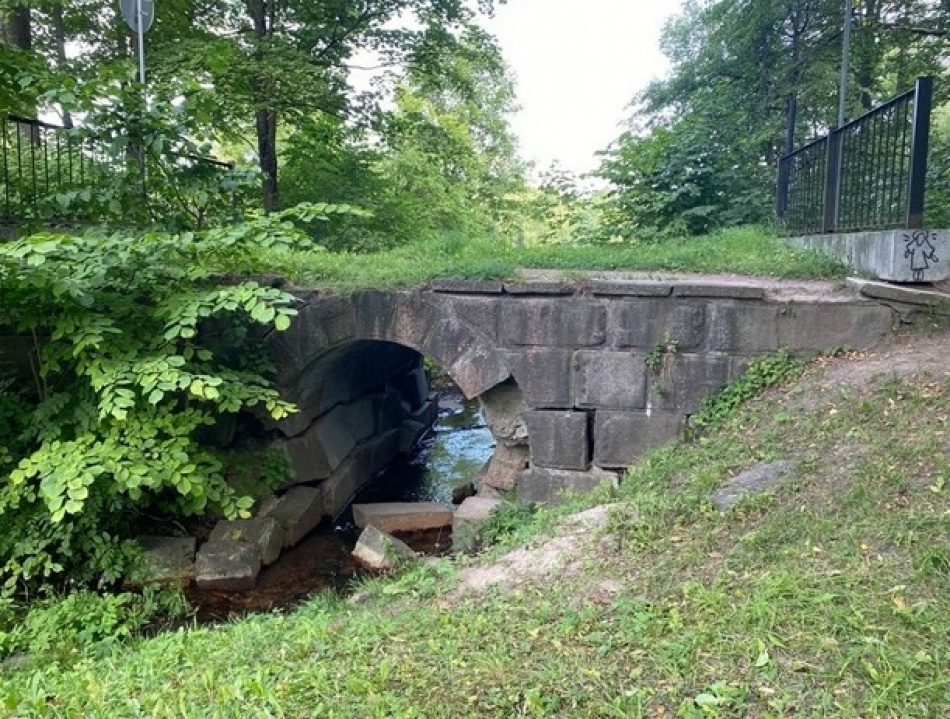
[(868, 174), (50, 173)]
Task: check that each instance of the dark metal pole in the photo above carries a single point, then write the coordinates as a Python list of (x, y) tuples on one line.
[(919, 144)]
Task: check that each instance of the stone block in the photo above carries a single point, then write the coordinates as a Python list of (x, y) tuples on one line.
[(558, 439), (383, 449), (402, 317), (475, 287), (686, 378), (891, 255), (480, 313), (643, 324), (543, 375), (468, 521), (360, 417), (388, 410), (298, 512), (553, 323), (630, 288), (810, 328), (320, 450), (609, 380), (338, 489), (504, 467), (621, 437), (265, 532), (728, 290), (539, 288), (938, 302), (549, 486), (168, 560), (504, 409), (743, 327), (227, 565), (378, 550), (402, 516), (413, 387), (321, 324), (410, 432)]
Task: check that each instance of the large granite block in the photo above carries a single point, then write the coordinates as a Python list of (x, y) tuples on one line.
[(645, 323), (265, 532), (609, 380), (558, 439), (298, 512), (402, 516), (814, 327), (544, 376), (685, 380), (743, 327), (621, 437), (549, 486), (316, 453), (553, 323)]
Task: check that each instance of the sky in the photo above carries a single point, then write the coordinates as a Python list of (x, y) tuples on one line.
[(578, 64)]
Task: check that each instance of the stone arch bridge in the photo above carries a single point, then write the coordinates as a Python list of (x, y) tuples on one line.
[(577, 379)]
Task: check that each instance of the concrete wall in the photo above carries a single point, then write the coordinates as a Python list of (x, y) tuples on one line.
[(583, 377)]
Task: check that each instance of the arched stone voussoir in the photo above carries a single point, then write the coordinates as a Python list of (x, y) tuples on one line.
[(322, 323), (470, 360)]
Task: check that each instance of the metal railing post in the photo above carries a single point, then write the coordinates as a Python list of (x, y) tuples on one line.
[(920, 139), (781, 208), (832, 182)]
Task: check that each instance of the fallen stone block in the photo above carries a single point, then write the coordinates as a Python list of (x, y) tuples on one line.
[(265, 532), (168, 560), (760, 478), (402, 516), (227, 564), (468, 522), (297, 512), (378, 550)]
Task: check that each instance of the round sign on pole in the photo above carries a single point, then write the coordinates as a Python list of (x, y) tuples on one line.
[(130, 13)]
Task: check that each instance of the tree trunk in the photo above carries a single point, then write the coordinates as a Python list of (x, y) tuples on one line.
[(16, 28), (262, 15), (59, 40)]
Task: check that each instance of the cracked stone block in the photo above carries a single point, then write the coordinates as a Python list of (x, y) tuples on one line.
[(553, 323)]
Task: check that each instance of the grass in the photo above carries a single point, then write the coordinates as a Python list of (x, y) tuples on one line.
[(824, 599), (747, 250)]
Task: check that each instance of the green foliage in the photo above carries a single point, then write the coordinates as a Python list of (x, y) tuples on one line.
[(506, 519), (762, 373), (83, 622), (135, 348)]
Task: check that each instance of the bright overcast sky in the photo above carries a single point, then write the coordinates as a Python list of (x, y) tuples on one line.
[(578, 64)]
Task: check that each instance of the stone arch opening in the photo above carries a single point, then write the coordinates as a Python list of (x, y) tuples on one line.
[(365, 402)]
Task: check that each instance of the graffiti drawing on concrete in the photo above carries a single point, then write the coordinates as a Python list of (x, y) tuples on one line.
[(920, 251)]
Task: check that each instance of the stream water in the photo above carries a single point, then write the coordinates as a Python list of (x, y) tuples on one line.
[(450, 454)]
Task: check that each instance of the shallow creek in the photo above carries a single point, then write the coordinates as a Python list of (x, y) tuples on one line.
[(452, 453)]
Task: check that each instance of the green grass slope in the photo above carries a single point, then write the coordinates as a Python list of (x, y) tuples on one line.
[(825, 598)]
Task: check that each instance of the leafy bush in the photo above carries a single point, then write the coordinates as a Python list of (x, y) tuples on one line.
[(133, 339)]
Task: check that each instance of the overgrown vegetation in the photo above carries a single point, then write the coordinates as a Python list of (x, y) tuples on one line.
[(132, 356), (825, 598)]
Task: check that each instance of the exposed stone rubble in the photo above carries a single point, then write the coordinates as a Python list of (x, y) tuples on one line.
[(380, 551), (265, 532), (227, 565), (756, 480)]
